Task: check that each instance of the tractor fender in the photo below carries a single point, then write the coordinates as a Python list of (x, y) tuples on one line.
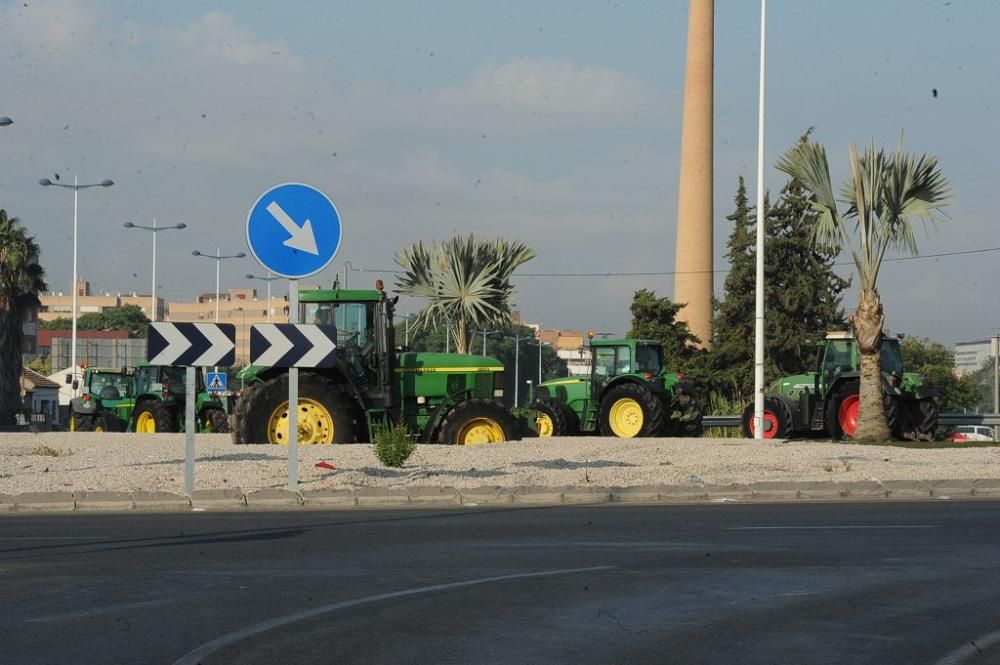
[(77, 405), (927, 391)]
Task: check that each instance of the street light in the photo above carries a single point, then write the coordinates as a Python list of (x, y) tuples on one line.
[(267, 279), (5, 121), (153, 229), (347, 268), (76, 187), (218, 258)]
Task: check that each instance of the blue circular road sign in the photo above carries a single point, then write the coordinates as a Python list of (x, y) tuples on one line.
[(294, 230)]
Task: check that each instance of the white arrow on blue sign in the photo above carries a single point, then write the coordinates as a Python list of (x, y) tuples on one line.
[(294, 230)]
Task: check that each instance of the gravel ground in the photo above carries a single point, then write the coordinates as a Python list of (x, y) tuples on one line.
[(128, 462)]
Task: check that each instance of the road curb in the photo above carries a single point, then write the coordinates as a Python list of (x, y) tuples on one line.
[(234, 499)]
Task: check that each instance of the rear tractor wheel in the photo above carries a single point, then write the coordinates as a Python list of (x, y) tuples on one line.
[(79, 422), (630, 410), (325, 413), (152, 417), (215, 421)]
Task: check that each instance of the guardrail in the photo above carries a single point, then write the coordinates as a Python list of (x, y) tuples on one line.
[(952, 419)]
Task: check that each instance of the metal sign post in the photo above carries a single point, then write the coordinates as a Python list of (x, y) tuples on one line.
[(293, 395), (294, 231), (189, 430)]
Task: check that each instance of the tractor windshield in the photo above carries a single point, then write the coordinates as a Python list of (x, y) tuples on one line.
[(102, 379), (354, 320), (892, 358), (647, 359)]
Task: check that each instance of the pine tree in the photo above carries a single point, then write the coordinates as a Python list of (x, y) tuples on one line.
[(802, 293)]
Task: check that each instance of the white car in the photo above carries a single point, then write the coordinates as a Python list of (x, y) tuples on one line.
[(972, 433)]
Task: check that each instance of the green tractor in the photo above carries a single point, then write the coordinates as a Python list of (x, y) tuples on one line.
[(629, 394), (826, 402), (160, 396), (107, 397), (440, 397), (145, 399)]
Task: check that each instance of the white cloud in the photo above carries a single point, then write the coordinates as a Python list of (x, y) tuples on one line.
[(217, 36), (52, 28), (531, 95)]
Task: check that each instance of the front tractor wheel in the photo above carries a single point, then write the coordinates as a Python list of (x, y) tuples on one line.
[(684, 417), (79, 422), (478, 421), (554, 418), (630, 410), (777, 420), (152, 417), (325, 413), (927, 418), (216, 421)]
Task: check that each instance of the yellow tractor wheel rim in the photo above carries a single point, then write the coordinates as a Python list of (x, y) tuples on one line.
[(543, 424), (626, 418), (480, 430), (145, 423), (72, 423), (98, 427), (315, 423)]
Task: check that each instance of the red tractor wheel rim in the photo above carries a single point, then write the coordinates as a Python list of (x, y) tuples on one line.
[(770, 430), (848, 414)]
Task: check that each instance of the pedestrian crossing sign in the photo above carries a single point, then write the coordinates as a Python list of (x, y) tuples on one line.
[(217, 382)]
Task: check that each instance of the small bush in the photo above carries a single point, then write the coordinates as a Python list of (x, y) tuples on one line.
[(394, 446), (48, 451)]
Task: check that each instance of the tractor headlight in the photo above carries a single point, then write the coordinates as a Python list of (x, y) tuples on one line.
[(498, 392)]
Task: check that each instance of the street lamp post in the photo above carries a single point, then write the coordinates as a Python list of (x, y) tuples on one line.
[(5, 121), (76, 187), (347, 268), (218, 258), (154, 229), (267, 279)]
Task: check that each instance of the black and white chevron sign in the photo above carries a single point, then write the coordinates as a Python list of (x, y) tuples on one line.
[(191, 344), (292, 345)]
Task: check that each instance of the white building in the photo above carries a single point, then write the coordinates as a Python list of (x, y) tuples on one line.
[(970, 356)]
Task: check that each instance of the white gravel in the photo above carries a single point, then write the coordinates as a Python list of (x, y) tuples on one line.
[(128, 462)]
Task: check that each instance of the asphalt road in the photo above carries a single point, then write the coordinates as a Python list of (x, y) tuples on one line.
[(806, 583)]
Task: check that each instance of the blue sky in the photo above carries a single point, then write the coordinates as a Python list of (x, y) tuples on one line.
[(557, 123)]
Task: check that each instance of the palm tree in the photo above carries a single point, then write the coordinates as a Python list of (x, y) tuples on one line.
[(885, 195), (466, 281), (20, 284)]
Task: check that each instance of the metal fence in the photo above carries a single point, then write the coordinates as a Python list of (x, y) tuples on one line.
[(98, 352), (950, 419)]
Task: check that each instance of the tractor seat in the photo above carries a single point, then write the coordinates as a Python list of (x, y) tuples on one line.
[(109, 392)]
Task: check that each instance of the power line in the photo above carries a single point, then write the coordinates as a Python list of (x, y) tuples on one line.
[(666, 273)]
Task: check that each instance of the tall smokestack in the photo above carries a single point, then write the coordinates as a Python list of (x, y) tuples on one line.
[(693, 282)]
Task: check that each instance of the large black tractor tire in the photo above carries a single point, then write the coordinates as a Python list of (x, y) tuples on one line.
[(153, 417), (241, 412), (842, 411), (777, 419), (326, 413), (81, 422), (841, 426), (108, 422), (477, 421), (683, 416), (554, 418), (926, 417), (630, 410), (216, 421)]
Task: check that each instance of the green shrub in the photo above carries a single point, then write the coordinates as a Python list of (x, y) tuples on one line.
[(393, 446)]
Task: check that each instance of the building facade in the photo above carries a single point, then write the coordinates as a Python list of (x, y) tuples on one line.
[(240, 307), (57, 304), (970, 356)]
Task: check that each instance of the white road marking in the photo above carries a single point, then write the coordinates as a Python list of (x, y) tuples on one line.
[(196, 656), (971, 650), (836, 526)]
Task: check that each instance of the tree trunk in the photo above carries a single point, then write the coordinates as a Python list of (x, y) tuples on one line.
[(462, 336), (867, 322), (10, 369)]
